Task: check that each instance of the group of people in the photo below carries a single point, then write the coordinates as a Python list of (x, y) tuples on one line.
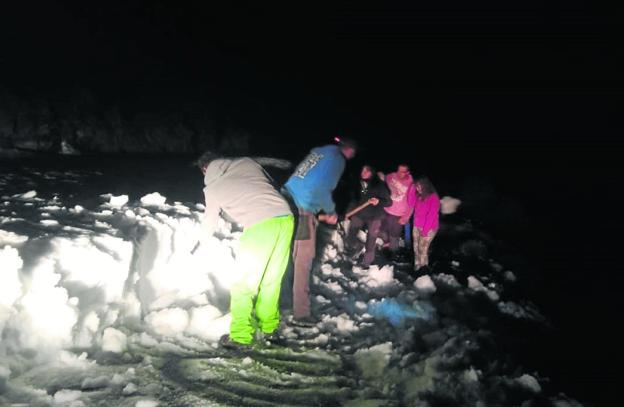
[(388, 202), (241, 191)]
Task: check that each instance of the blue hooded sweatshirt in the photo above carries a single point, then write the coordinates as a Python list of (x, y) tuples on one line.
[(315, 178)]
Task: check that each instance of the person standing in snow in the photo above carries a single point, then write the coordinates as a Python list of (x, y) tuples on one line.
[(371, 189), (310, 188), (402, 193), (426, 220), (241, 191)]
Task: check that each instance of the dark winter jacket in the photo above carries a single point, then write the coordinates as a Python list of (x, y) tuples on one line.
[(374, 188)]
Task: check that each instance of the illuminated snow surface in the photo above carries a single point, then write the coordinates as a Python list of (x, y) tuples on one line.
[(104, 301)]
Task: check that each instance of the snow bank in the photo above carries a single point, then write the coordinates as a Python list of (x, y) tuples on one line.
[(118, 269)]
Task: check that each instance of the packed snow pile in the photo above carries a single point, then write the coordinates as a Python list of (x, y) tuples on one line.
[(89, 278)]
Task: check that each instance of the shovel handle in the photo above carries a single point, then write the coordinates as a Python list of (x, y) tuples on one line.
[(356, 210)]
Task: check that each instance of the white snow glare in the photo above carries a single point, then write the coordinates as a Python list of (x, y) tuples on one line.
[(121, 303)]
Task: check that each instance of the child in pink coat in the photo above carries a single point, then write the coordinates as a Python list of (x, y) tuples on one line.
[(426, 220)]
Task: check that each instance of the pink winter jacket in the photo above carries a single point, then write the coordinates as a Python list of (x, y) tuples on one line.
[(403, 195), (426, 213)]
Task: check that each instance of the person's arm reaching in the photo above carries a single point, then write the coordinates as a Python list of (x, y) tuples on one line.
[(211, 214)]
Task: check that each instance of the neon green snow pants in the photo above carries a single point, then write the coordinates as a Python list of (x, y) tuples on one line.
[(262, 259)]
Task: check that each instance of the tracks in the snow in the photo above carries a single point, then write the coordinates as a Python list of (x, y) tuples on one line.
[(262, 377)]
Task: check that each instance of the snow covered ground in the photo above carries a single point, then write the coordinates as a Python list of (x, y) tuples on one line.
[(106, 298)]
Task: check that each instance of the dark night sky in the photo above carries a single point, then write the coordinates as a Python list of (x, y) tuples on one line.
[(493, 80)]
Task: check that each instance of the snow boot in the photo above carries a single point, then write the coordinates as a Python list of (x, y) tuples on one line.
[(274, 339), (305, 322), (227, 343)]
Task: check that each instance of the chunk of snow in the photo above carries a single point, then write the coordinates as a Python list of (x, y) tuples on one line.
[(153, 199), (425, 285), (343, 323), (519, 311), (335, 287), (129, 389), (118, 201), (118, 379), (377, 277), (496, 266), (207, 322), (373, 361), (10, 238), (168, 322), (92, 383), (322, 300), (147, 340), (28, 195), (70, 359), (330, 253), (471, 376), (68, 149), (476, 285), (449, 205), (361, 306), (329, 271), (114, 341), (51, 208), (447, 279), (529, 382), (510, 276), (66, 396)]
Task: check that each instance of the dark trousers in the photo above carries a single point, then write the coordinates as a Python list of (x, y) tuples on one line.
[(353, 244), (394, 229), (304, 251)]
